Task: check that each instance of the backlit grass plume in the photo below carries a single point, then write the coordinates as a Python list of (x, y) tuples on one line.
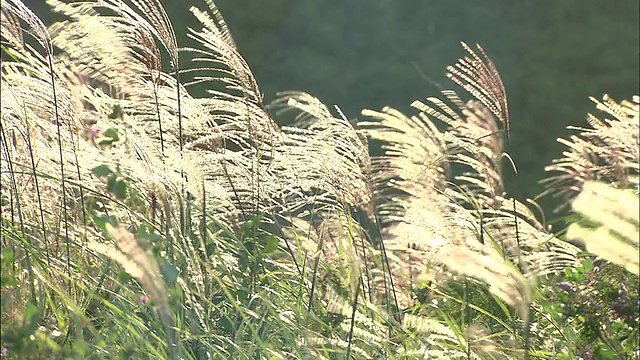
[(616, 236), (144, 268), (141, 221), (436, 188), (607, 151), (102, 129)]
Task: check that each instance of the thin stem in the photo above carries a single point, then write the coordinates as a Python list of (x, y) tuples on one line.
[(62, 176), (354, 307)]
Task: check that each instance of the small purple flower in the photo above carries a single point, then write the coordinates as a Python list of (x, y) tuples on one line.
[(4, 353), (587, 355), (92, 135), (144, 299), (565, 286)]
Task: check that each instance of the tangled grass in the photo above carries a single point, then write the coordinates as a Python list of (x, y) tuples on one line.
[(139, 221)]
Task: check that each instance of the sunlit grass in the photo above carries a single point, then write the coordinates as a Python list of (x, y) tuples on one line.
[(141, 222)]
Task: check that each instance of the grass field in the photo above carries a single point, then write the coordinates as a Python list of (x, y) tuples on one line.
[(139, 221)]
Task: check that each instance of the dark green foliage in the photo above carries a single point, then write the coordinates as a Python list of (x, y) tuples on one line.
[(601, 303)]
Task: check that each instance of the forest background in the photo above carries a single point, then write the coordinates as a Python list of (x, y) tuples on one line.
[(365, 54)]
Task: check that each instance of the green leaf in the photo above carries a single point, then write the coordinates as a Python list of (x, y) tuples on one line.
[(102, 170), (80, 347), (105, 142), (270, 243), (33, 318), (102, 221), (588, 265), (143, 232), (247, 228), (117, 112), (119, 189), (7, 256), (170, 274), (225, 324), (111, 180), (7, 279), (124, 277), (112, 133), (243, 259), (30, 311)]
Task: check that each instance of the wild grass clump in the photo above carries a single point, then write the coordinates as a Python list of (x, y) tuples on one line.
[(140, 221)]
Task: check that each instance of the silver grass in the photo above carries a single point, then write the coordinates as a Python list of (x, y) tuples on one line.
[(405, 181), (173, 151), (617, 236), (314, 178), (427, 219), (143, 267), (224, 150), (230, 144), (607, 151)]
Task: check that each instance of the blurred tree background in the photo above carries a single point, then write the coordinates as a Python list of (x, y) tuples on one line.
[(360, 54)]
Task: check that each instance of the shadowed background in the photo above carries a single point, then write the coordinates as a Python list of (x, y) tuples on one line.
[(360, 54)]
